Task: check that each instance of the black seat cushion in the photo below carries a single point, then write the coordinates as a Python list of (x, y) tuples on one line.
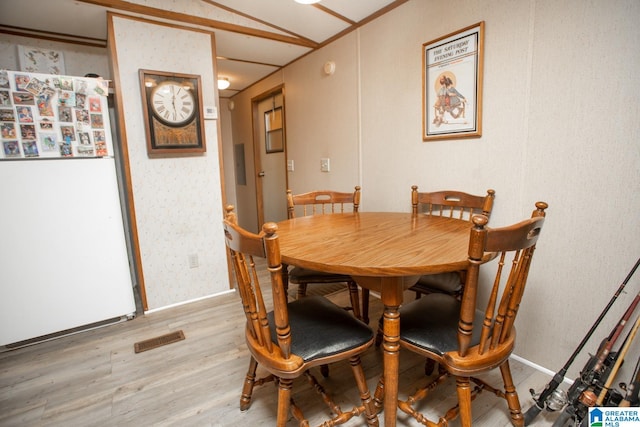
[(431, 322), (300, 274), (320, 328), (442, 282)]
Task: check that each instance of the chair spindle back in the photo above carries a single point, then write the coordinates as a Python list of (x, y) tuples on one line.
[(453, 204), (243, 247), (321, 202), (515, 245)]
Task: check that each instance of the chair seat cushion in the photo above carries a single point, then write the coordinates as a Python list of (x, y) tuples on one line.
[(442, 282), (319, 328), (300, 274), (431, 323)]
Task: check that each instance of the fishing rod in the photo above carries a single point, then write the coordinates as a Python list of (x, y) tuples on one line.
[(631, 389), (553, 399), (599, 368), (620, 358)]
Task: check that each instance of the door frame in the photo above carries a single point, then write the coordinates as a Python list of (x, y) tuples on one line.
[(257, 153)]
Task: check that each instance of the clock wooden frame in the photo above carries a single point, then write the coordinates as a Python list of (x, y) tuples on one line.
[(181, 138)]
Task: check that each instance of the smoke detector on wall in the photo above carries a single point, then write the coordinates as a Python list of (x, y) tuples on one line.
[(329, 68)]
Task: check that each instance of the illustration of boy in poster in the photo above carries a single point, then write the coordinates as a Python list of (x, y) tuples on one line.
[(448, 100)]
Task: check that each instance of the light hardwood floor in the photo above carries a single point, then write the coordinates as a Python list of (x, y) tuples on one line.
[(94, 378)]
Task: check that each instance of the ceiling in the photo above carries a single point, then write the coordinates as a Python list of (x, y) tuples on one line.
[(254, 38)]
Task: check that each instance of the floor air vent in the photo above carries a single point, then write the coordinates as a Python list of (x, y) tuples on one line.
[(158, 341)]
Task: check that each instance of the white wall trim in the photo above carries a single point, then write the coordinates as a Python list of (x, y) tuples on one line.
[(190, 301), (539, 368)]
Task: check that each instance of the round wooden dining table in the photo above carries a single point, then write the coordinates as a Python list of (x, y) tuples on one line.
[(383, 251)]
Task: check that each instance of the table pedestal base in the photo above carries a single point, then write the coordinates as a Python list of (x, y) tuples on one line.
[(391, 290)]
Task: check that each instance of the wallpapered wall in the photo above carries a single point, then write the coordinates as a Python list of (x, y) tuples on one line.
[(559, 124), (178, 200)]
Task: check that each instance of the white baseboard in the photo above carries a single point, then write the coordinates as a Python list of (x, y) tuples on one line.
[(539, 368), (190, 301)]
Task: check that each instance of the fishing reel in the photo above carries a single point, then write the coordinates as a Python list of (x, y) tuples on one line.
[(555, 402)]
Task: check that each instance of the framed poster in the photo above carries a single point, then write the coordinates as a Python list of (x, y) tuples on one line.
[(172, 109), (452, 84)]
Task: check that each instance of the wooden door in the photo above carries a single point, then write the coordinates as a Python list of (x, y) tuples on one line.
[(270, 156)]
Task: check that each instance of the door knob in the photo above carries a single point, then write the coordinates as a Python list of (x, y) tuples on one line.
[(261, 174)]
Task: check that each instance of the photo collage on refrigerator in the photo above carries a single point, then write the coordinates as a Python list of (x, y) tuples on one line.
[(53, 116)]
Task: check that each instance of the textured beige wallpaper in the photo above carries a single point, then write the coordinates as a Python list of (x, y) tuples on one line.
[(177, 199), (560, 124)]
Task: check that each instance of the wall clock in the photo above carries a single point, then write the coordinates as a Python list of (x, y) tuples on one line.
[(172, 108)]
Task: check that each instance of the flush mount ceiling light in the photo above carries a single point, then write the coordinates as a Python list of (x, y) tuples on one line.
[(223, 83), (307, 1)]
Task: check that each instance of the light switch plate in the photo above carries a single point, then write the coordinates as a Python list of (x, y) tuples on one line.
[(325, 165)]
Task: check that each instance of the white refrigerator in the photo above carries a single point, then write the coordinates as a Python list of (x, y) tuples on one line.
[(63, 255)]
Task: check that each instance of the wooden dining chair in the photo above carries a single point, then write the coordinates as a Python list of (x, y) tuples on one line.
[(295, 336), (318, 203), (453, 204), (465, 338)]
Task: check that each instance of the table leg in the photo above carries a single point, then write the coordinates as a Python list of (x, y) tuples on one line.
[(391, 296), (391, 289)]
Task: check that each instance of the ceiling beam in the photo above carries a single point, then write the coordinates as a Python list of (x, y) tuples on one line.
[(125, 6), (260, 21), (52, 36)]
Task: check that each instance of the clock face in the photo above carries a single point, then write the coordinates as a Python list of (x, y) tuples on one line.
[(172, 108), (172, 103)]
